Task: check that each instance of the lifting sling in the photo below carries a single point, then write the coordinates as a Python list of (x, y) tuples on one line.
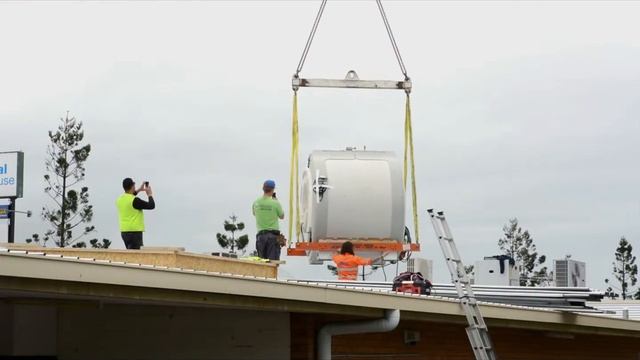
[(294, 173), (351, 81)]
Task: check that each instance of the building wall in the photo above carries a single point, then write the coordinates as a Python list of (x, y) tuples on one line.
[(70, 331), (440, 341), (27, 330), (154, 332)]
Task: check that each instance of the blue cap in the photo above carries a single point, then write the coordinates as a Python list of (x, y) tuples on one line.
[(270, 184)]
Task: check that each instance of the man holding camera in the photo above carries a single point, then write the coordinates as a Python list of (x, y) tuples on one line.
[(267, 210), (130, 212)]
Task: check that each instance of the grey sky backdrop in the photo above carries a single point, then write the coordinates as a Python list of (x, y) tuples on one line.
[(521, 109)]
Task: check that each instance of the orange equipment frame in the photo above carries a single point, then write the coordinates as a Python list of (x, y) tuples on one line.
[(301, 248)]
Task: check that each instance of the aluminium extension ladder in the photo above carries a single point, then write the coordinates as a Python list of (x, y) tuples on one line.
[(477, 330)]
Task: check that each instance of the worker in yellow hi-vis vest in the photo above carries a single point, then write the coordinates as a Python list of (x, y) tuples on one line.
[(130, 212)]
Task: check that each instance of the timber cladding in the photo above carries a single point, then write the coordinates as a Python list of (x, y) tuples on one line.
[(440, 340)]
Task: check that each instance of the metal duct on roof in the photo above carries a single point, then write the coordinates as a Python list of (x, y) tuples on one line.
[(561, 298)]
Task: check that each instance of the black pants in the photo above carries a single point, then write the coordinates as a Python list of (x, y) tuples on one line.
[(267, 245), (132, 239)]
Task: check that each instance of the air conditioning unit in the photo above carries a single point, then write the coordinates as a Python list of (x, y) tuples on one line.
[(496, 270), (423, 266), (569, 273)]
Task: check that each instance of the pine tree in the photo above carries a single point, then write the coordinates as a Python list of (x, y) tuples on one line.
[(519, 245), (468, 269), (65, 167), (625, 271), (230, 241)]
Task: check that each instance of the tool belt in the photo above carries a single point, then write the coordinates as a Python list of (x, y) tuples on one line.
[(282, 241)]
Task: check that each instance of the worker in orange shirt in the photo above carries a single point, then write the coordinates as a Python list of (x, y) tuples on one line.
[(347, 262)]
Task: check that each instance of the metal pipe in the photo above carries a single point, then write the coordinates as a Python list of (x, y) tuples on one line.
[(388, 323), (28, 212)]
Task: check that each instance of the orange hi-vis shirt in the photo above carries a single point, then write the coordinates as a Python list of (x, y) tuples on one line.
[(348, 265)]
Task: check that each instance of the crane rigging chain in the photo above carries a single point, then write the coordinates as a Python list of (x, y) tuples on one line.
[(314, 28), (409, 162), (312, 34), (392, 39)]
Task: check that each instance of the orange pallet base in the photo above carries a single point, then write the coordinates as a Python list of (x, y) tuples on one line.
[(301, 248)]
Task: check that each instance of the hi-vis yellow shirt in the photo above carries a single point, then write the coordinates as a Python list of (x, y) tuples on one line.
[(131, 219)]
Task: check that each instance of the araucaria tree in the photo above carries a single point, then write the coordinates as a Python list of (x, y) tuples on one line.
[(519, 245), (230, 241), (65, 170), (625, 272)]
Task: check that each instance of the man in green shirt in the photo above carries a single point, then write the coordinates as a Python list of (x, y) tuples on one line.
[(267, 210)]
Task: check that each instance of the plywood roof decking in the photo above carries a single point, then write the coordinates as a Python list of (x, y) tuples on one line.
[(22, 271), (168, 257)]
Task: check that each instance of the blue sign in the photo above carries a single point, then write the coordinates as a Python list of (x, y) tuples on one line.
[(4, 211)]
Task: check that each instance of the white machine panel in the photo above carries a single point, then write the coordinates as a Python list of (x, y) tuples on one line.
[(356, 207)]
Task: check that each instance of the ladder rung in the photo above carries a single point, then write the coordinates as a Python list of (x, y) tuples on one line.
[(470, 300), (478, 327), (484, 349), (487, 347)]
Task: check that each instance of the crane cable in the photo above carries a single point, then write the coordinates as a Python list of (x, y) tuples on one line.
[(314, 29), (392, 39), (408, 130), (312, 34)]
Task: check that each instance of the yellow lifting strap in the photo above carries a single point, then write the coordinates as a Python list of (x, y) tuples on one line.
[(409, 162), (294, 175), (408, 152)]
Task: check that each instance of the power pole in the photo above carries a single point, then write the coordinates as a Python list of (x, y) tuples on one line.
[(12, 219)]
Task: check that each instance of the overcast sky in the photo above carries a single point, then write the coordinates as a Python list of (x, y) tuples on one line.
[(521, 109)]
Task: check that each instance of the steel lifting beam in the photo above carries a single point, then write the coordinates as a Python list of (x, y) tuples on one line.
[(405, 85), (351, 81), (353, 84)]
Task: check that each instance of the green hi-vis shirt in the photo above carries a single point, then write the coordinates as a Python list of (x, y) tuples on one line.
[(267, 211)]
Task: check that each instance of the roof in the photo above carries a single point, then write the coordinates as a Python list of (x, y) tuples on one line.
[(617, 308), (37, 274), (558, 298)]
